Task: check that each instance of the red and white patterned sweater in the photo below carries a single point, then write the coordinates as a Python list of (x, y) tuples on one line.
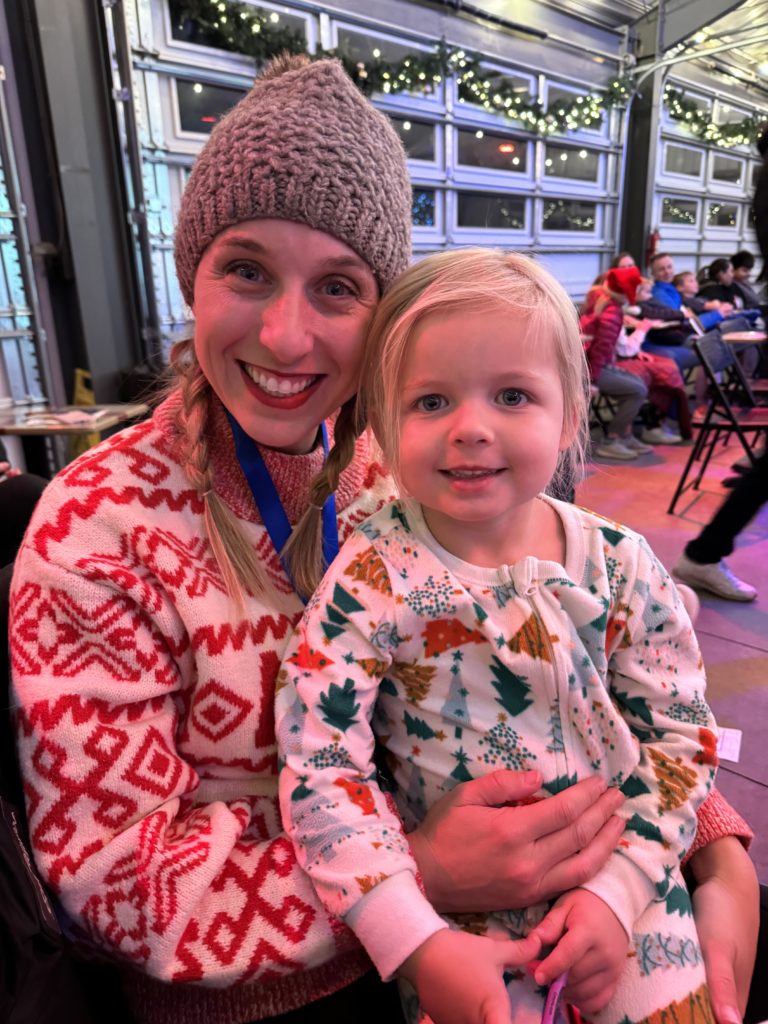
[(146, 727)]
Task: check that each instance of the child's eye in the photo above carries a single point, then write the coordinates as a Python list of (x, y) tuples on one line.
[(511, 397), (430, 403)]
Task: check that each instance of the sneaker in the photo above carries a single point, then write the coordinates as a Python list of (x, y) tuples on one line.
[(613, 448), (715, 577), (661, 435), (636, 445)]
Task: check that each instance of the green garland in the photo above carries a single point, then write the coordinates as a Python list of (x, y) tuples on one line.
[(697, 121), (242, 28), (248, 30)]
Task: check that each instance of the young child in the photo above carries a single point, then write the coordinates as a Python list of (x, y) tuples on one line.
[(477, 625)]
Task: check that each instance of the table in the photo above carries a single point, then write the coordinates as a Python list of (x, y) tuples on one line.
[(26, 422), (43, 453), (746, 337)]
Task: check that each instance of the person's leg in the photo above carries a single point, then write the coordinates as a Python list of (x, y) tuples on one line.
[(757, 1007), (369, 1000), (18, 497), (701, 564), (717, 353), (683, 356), (629, 393), (664, 977)]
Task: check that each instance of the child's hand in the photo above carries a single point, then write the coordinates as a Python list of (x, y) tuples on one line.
[(591, 945), (459, 977)]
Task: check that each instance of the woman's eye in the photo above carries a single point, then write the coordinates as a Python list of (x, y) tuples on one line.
[(430, 403), (511, 397), (338, 289), (246, 271)]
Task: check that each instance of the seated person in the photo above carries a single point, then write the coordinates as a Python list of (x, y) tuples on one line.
[(720, 287), (664, 290), (743, 263)]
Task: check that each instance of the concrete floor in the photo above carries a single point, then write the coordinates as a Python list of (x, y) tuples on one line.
[(733, 636)]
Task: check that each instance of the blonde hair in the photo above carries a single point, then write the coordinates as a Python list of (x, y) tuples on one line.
[(458, 279), (235, 556)]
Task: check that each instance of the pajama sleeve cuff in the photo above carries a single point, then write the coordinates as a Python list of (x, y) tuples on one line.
[(392, 921), (625, 888)]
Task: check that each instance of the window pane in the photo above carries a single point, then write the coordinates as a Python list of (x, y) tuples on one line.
[(486, 149), (491, 210), (418, 137), (569, 215), (722, 215), (189, 30), (579, 164), (492, 80), (679, 160), (725, 168), (423, 207), (201, 106), (555, 95), (367, 49), (729, 115), (679, 211)]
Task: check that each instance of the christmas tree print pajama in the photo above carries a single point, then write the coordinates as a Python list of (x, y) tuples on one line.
[(586, 668)]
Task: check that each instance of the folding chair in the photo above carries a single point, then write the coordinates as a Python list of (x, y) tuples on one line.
[(601, 411), (722, 417)]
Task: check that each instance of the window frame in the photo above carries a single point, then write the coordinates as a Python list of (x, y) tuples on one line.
[(670, 227)]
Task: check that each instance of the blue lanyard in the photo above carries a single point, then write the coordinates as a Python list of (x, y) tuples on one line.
[(268, 500)]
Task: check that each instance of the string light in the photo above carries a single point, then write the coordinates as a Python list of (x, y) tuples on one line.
[(696, 120), (258, 34)]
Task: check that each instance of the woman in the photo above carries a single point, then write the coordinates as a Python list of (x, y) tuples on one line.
[(719, 284), (151, 608)]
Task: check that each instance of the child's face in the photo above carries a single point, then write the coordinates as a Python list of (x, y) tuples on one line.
[(689, 286), (481, 418), (643, 293)]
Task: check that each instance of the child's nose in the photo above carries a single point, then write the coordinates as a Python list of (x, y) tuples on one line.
[(471, 426)]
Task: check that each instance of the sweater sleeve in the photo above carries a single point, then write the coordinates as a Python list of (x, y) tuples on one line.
[(347, 838), (657, 682), (652, 309), (189, 879), (716, 819)]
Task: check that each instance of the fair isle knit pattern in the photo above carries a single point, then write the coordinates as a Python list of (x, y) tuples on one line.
[(146, 730), (585, 668)]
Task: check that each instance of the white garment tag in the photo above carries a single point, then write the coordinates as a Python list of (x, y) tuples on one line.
[(729, 744)]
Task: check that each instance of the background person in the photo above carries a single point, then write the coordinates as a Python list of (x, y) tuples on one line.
[(601, 323)]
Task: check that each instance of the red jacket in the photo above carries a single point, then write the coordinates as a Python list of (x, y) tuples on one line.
[(600, 331)]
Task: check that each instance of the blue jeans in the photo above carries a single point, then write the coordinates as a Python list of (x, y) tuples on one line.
[(718, 354)]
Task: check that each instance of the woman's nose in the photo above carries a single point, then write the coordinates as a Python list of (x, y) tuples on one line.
[(285, 327)]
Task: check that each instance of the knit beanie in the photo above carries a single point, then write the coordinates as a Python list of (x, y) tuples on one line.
[(624, 281), (304, 145)]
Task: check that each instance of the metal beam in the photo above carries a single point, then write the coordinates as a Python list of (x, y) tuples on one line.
[(674, 21), (76, 75)]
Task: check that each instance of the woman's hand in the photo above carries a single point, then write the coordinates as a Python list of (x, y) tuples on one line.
[(476, 851), (726, 908), (459, 978), (6, 470)]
